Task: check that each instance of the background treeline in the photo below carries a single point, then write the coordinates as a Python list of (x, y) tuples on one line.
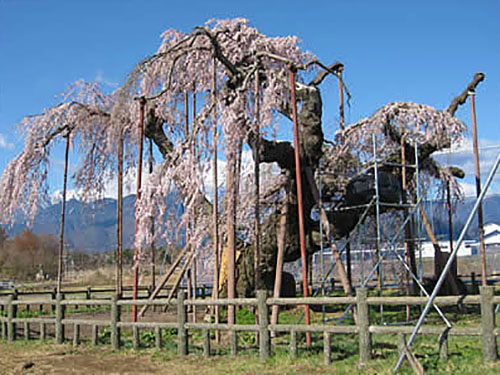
[(23, 256)]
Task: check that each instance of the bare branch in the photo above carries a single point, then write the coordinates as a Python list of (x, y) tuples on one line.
[(460, 99)]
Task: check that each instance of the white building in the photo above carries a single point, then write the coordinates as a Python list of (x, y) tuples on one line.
[(492, 234)]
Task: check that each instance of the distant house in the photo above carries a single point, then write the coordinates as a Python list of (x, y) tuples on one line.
[(466, 248), (492, 234)]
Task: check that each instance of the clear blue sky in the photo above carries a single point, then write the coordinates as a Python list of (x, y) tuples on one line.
[(423, 51)]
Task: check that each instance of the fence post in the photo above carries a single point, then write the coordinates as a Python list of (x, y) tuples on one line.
[(115, 318), (474, 289), (182, 348), (206, 343), (327, 348), (158, 340), (26, 331), (95, 334), (401, 342), (488, 324), (293, 344), (4, 328), (43, 332), (264, 337), (443, 346), (76, 335), (136, 340), (363, 325), (88, 294), (233, 342), (11, 314), (59, 318), (53, 295)]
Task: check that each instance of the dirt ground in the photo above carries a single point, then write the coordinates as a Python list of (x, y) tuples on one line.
[(53, 360)]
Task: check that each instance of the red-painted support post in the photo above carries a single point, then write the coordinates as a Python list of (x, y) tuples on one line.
[(299, 198)]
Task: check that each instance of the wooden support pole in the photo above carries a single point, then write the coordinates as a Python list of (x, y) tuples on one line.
[(192, 272), (215, 205), (152, 228), (341, 98), (482, 251), (179, 277), (231, 250), (119, 225), (182, 337), (194, 287), (256, 157), (63, 212), (299, 199), (142, 105), (163, 281), (280, 258)]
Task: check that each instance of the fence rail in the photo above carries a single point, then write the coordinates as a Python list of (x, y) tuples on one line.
[(363, 328)]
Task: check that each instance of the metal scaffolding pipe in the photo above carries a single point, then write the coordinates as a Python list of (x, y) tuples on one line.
[(450, 260)]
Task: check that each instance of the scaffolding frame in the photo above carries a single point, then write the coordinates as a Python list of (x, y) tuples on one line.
[(391, 246)]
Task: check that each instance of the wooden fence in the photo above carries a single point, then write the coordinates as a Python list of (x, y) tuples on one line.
[(364, 329)]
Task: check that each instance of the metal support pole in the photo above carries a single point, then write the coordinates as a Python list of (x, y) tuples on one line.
[(419, 224), (142, 103), (450, 260), (299, 198), (408, 228)]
